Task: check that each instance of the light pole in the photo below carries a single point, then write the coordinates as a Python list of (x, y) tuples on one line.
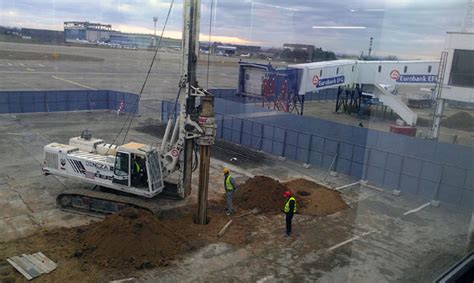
[(155, 19)]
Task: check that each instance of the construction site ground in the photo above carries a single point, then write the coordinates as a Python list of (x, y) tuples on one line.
[(372, 239), (379, 237)]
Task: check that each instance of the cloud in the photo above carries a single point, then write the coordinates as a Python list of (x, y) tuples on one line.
[(392, 23)]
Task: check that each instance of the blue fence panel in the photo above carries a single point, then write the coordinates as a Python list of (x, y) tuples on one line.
[(304, 141), (4, 97), (277, 148), (292, 138), (343, 166), (257, 130), (453, 176), (246, 139), (317, 144), (70, 100), (346, 151), (290, 151), (330, 147), (391, 180), (469, 183), (279, 134), (247, 127), (411, 166), (394, 162), (375, 174), (377, 158), (357, 170), (267, 145), (450, 194), (4, 108), (431, 171), (454, 154), (427, 189), (467, 198), (408, 184), (256, 142), (236, 136)]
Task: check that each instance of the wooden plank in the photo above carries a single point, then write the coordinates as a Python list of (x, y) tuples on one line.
[(40, 262), (32, 268), (48, 262), (253, 211), (39, 265), (222, 231), (28, 266), (32, 265), (19, 268)]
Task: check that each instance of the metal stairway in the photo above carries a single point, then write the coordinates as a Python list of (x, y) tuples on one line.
[(396, 104)]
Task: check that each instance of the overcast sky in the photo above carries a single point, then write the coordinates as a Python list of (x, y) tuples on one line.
[(406, 28)]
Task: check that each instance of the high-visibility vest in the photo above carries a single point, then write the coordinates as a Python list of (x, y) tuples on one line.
[(137, 166), (228, 184), (287, 205)]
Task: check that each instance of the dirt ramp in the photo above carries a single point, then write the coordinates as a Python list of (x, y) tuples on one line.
[(260, 192), (131, 238), (316, 199)]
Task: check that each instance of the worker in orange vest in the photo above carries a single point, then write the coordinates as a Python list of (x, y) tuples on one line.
[(289, 209)]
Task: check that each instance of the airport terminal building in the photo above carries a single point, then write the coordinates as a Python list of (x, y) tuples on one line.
[(85, 31)]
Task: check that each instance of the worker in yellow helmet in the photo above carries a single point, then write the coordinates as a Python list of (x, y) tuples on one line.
[(230, 187), (289, 209)]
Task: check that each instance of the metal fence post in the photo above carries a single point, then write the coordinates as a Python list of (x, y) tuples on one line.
[(366, 166), (45, 103), (241, 131), (308, 159), (352, 159), (398, 190), (222, 126), (322, 153), (435, 201), (284, 144), (333, 162)]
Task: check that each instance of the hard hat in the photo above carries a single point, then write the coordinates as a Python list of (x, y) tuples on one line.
[(226, 170), (287, 194)]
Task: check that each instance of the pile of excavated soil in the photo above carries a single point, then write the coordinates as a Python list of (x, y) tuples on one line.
[(266, 194), (260, 192), (130, 238), (317, 200), (124, 243), (461, 121)]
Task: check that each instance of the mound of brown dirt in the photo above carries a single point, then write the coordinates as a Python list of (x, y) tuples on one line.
[(131, 238), (316, 199), (461, 121), (261, 192), (266, 194)]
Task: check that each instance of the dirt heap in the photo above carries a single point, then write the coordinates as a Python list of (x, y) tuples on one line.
[(316, 199), (131, 238), (125, 243), (260, 192), (266, 194), (461, 121)]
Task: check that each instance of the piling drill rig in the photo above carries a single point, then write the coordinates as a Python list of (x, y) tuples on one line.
[(134, 173)]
